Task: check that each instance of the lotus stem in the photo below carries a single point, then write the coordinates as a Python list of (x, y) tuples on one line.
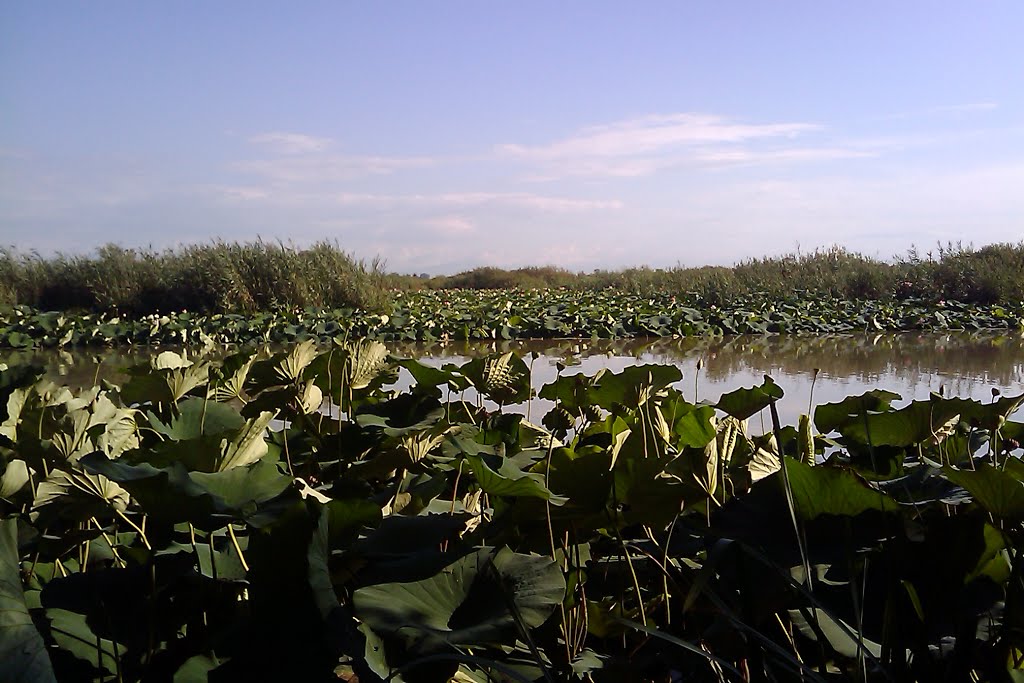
[(138, 530), (238, 549)]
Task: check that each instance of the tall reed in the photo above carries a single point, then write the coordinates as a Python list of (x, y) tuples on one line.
[(217, 277)]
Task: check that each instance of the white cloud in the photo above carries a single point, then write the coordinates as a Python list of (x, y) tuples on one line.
[(240, 192), (450, 225), (653, 134), (326, 169), (797, 154), (515, 199), (647, 145), (290, 143)]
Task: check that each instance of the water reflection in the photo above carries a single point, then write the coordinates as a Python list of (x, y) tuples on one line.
[(914, 364)]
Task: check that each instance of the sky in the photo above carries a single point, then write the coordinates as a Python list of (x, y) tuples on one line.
[(445, 135)]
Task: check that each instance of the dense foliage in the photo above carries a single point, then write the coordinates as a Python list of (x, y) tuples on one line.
[(509, 314), (291, 518), (219, 277), (259, 277), (991, 274)]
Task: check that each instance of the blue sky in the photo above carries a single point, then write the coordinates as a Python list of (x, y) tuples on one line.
[(445, 135)]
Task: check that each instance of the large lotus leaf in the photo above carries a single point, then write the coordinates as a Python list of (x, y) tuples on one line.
[(634, 386), (114, 429), (282, 368), (163, 385), (248, 446), (989, 416), (993, 561), (228, 379), (17, 377), (763, 462), (478, 599), (16, 401), (302, 399), (339, 523), (350, 365), (351, 371), (572, 392), (583, 476), (196, 669), (165, 493), (691, 426), (419, 445), (697, 467), (169, 360), (610, 433), (404, 414), (1013, 430), (181, 382), (999, 492), (502, 377), (918, 423), (309, 399), (71, 436), (365, 362), (462, 441), (199, 454), (510, 481), (14, 476), (72, 633), (641, 490), (23, 656), (835, 631), (205, 499), (76, 495), (240, 490), (742, 403), (295, 361), (829, 417), (429, 377), (825, 490), (196, 417)]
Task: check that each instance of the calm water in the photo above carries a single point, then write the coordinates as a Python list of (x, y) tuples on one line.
[(912, 365)]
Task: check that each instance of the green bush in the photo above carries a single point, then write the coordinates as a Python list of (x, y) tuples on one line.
[(209, 278)]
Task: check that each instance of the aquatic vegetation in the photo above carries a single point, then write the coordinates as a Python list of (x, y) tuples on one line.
[(295, 517), (211, 278), (226, 277), (450, 315)]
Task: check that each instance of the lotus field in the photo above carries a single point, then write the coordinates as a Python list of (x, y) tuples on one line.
[(445, 315), (298, 518)]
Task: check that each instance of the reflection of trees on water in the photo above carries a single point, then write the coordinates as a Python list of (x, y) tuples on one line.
[(996, 359)]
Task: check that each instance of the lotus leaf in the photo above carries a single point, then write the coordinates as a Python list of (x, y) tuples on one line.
[(502, 377), (78, 495), (742, 403), (23, 657), (481, 598), (999, 492)]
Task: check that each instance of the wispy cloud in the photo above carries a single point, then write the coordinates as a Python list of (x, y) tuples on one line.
[(290, 143), (797, 154), (517, 199), (655, 133), (952, 110), (322, 169), (649, 144), (297, 158), (450, 225)]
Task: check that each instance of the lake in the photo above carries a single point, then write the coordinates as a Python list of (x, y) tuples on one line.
[(910, 364)]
